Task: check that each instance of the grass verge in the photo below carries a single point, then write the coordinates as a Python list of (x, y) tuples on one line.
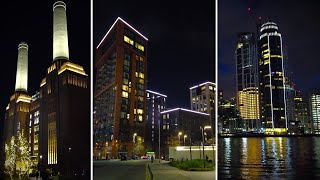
[(193, 165)]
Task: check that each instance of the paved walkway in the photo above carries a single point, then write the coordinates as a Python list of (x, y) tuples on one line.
[(165, 171)]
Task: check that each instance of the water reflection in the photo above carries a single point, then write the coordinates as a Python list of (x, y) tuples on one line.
[(269, 158)]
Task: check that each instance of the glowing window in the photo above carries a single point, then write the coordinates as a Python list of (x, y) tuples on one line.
[(125, 87), (140, 111), (128, 40), (139, 46), (141, 75), (125, 94)]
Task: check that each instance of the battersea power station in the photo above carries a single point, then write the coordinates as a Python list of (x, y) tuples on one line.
[(56, 119)]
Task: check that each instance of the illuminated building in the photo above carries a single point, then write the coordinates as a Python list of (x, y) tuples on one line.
[(56, 119), (179, 125), (247, 81), (202, 99), (229, 117), (301, 123), (272, 81), (120, 91), (156, 103), (64, 107), (289, 87), (315, 112), (17, 111)]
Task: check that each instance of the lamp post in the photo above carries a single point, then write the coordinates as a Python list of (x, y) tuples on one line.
[(184, 139), (70, 163), (180, 133), (40, 168), (159, 141), (190, 150), (202, 133), (134, 141)]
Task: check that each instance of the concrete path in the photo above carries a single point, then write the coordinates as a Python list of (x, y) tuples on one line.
[(165, 171)]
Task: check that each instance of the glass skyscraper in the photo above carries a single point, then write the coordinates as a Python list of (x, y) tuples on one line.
[(271, 79), (247, 80)]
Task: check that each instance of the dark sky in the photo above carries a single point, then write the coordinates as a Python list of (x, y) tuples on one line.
[(31, 21), (181, 41), (298, 22)]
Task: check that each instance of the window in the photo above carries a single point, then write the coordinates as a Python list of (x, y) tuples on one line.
[(140, 47), (128, 40), (125, 87), (141, 75), (125, 94)]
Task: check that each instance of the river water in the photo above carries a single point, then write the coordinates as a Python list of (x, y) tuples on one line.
[(269, 158)]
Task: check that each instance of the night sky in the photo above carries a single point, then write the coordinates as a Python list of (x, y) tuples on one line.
[(298, 22), (181, 41), (31, 21)]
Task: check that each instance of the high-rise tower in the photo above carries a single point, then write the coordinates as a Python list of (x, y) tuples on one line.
[(247, 80), (120, 92), (272, 81)]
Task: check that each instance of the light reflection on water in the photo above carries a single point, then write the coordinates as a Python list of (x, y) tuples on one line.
[(269, 158)]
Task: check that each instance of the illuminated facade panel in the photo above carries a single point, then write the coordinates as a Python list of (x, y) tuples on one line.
[(52, 139), (315, 112)]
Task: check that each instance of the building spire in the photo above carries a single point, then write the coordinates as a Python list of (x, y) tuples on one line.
[(22, 68), (60, 32)]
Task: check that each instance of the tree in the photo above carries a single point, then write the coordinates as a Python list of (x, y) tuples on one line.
[(10, 163), (139, 145), (18, 159)]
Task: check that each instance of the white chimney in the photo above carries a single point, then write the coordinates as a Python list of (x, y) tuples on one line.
[(22, 68), (60, 32)]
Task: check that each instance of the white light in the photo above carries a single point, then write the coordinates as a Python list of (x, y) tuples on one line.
[(126, 24), (156, 93), (176, 109), (203, 84)]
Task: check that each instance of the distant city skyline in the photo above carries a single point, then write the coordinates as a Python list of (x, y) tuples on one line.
[(300, 42)]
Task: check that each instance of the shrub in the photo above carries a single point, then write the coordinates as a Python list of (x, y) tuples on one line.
[(193, 165)]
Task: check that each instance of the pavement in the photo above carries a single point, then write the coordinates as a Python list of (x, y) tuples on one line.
[(165, 171), (119, 170)]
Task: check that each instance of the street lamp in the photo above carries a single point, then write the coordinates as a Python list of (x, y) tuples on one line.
[(70, 162), (202, 133), (39, 163), (134, 141), (184, 139), (180, 133), (159, 141)]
